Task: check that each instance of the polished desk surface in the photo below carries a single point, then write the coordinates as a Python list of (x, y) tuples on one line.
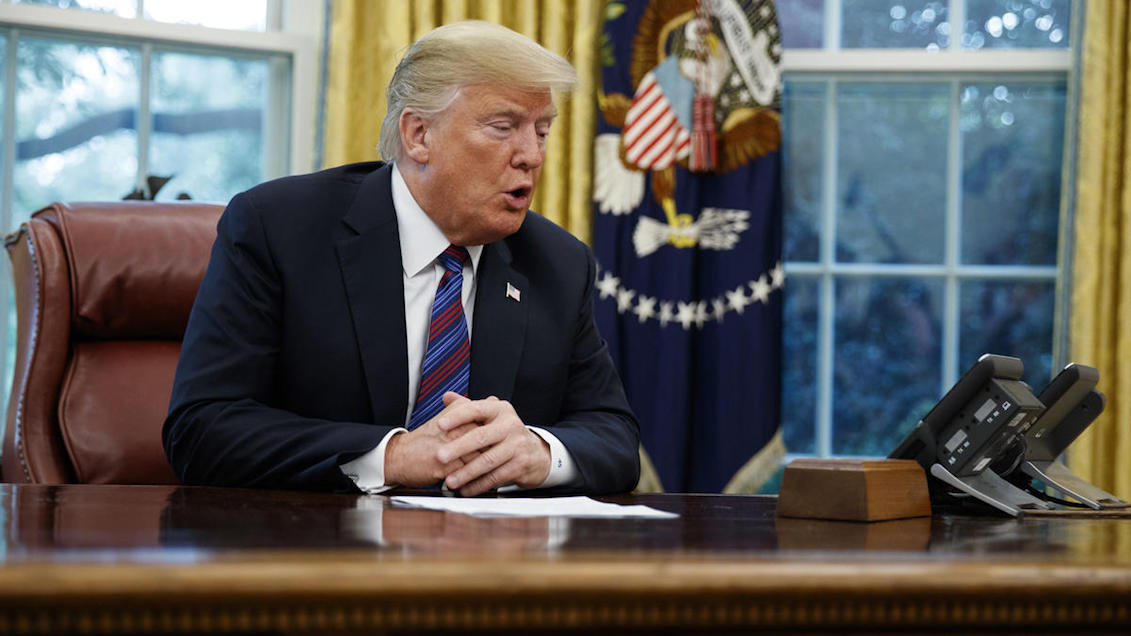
[(115, 559)]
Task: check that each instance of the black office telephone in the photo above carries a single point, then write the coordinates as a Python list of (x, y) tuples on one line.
[(971, 426), (1072, 403)]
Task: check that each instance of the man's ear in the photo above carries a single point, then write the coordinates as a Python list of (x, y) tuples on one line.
[(414, 135)]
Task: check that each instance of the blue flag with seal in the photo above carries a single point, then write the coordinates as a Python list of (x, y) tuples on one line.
[(688, 234)]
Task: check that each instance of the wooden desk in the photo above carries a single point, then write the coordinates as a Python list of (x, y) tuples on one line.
[(119, 559)]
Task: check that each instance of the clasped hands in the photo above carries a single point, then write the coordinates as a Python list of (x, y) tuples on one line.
[(473, 446)]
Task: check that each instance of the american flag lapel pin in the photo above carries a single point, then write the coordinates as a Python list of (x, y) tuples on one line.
[(513, 293)]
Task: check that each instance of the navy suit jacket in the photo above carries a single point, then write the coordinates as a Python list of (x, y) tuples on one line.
[(294, 360)]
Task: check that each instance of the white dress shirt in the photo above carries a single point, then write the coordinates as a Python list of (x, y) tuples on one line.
[(421, 244)]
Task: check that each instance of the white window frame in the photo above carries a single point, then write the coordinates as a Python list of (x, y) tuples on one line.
[(954, 66), (293, 31)]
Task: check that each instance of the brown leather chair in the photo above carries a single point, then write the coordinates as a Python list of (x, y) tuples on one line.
[(103, 293)]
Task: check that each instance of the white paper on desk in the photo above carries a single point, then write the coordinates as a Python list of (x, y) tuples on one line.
[(532, 507)]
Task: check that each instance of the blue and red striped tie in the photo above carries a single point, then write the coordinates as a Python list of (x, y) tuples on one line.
[(446, 364)]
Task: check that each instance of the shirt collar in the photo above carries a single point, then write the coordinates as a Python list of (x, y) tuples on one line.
[(421, 240)]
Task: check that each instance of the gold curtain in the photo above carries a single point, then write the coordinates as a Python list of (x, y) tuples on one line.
[(367, 38), (1101, 279)]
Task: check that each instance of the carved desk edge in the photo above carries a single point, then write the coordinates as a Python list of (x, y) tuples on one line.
[(577, 592)]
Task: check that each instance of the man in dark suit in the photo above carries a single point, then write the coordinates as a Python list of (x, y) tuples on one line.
[(338, 307)]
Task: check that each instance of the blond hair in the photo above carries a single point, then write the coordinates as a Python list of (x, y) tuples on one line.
[(445, 59)]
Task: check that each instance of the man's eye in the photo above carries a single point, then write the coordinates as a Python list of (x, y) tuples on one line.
[(503, 127)]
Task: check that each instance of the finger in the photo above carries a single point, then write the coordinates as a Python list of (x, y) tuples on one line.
[(519, 458), (451, 400), (514, 471), (489, 470), (476, 488), (457, 432), (479, 439), (451, 397), (486, 483), (449, 468), (471, 411), (467, 412), (527, 464)]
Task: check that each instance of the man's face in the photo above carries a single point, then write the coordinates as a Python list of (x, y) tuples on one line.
[(483, 156)]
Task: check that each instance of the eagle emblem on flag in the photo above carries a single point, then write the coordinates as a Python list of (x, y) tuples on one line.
[(708, 91)]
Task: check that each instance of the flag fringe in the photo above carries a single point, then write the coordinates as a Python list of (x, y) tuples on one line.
[(649, 478), (759, 469)]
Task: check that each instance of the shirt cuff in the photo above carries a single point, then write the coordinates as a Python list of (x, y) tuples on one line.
[(368, 471)]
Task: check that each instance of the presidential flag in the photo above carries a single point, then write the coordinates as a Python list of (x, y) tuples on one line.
[(688, 233)]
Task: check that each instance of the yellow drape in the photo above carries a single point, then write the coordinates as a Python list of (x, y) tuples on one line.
[(367, 38), (1101, 281)]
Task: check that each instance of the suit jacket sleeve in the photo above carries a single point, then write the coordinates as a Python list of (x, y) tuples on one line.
[(596, 424), (564, 379), (225, 425)]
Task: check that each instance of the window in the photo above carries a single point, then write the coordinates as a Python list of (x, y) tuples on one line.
[(923, 166), (247, 15), (99, 95)]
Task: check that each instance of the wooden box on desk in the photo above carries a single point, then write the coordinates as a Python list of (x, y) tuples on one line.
[(854, 489)]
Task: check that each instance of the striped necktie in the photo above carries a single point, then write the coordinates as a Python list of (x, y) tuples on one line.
[(446, 365)]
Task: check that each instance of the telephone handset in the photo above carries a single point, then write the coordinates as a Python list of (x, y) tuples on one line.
[(1072, 403)]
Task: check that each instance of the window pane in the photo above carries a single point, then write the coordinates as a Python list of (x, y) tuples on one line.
[(803, 131), (891, 179), (1016, 23), (1012, 318), (124, 8), (895, 23), (246, 15), (3, 163), (799, 368), (75, 135), (1012, 146), (207, 124), (887, 361), (7, 298), (802, 23)]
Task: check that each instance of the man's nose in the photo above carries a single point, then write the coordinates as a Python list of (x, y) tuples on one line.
[(529, 150)]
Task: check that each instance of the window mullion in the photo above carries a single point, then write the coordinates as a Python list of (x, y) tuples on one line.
[(952, 248), (957, 12), (833, 12), (827, 291), (8, 168), (825, 342), (276, 137), (144, 121), (8, 161), (275, 15)]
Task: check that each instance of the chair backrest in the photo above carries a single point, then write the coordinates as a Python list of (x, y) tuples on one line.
[(103, 294)]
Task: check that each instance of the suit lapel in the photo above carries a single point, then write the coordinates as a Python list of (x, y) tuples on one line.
[(370, 262), (499, 326)]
